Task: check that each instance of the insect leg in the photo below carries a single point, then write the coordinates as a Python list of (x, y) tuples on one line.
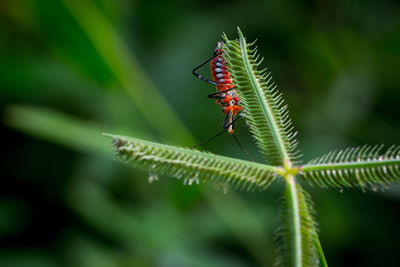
[(226, 126), (209, 139), (201, 65), (234, 136), (242, 148), (217, 94)]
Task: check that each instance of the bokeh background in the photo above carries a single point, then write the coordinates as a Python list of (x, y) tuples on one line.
[(70, 70)]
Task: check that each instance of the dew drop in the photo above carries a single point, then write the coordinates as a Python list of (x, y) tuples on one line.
[(152, 178)]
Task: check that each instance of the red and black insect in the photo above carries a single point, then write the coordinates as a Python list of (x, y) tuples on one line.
[(226, 96)]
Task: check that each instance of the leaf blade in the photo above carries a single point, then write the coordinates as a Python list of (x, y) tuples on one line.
[(193, 165), (363, 167), (265, 112)]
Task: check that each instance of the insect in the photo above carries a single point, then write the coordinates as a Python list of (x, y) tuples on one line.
[(226, 96)]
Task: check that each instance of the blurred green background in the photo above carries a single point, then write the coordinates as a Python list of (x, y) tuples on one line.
[(70, 70)]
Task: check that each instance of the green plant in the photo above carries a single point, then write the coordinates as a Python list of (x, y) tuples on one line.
[(269, 123)]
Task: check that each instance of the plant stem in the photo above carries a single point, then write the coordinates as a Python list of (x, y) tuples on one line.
[(293, 202), (296, 200)]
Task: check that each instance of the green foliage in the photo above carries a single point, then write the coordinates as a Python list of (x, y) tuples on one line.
[(269, 122), (73, 70), (265, 111), (361, 166)]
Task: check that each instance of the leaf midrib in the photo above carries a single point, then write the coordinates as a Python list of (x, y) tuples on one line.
[(350, 165), (268, 114)]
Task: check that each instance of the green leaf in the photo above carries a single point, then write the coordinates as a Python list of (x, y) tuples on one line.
[(192, 165), (297, 234), (364, 167), (264, 108)]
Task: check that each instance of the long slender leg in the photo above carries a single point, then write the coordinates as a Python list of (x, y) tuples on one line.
[(242, 148), (216, 95), (218, 134), (209, 139), (236, 139), (201, 65)]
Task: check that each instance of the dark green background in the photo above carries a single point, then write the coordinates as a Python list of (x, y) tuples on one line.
[(70, 70)]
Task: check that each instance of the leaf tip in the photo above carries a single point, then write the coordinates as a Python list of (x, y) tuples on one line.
[(241, 37)]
